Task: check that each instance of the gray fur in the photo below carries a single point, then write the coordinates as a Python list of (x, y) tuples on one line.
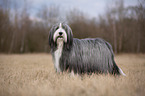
[(90, 55)]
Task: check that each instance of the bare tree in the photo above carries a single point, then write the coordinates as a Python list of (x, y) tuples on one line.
[(111, 17), (48, 15), (141, 20), (5, 25), (15, 29), (24, 26)]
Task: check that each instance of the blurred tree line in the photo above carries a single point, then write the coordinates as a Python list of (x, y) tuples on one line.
[(123, 27)]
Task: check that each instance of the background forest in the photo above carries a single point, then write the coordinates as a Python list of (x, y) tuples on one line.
[(123, 27)]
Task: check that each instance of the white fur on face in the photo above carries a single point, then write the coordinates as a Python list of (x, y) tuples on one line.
[(56, 34)]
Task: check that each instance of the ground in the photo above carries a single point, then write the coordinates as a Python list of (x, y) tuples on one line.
[(34, 75)]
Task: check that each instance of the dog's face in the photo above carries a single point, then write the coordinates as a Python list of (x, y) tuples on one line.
[(60, 32)]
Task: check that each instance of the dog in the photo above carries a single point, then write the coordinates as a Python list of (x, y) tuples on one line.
[(80, 56)]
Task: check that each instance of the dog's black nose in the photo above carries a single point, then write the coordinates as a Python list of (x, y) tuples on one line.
[(60, 33)]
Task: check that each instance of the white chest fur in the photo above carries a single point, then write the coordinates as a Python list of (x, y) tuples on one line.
[(57, 54)]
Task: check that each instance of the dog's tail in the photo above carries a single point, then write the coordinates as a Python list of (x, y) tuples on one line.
[(117, 70), (121, 72)]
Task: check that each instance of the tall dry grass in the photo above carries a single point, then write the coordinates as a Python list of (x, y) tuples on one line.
[(34, 75)]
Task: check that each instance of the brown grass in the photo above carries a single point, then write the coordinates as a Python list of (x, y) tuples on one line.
[(34, 75)]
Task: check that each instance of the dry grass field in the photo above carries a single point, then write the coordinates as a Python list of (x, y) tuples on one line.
[(34, 75)]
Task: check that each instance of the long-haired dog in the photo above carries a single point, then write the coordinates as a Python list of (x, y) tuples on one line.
[(90, 55)]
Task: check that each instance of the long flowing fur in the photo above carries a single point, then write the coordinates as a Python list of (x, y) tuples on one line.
[(90, 55)]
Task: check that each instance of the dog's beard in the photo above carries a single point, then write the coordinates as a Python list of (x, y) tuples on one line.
[(59, 39)]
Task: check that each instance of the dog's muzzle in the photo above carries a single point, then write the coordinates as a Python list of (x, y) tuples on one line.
[(60, 37), (60, 34)]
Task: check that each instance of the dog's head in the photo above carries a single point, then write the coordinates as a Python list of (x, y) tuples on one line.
[(60, 32)]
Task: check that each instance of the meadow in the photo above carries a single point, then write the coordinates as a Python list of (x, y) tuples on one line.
[(34, 75)]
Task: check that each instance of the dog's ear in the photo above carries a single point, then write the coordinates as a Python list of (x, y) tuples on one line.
[(69, 37), (50, 37)]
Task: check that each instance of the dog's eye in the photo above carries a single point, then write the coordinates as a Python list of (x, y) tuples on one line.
[(56, 28), (64, 27)]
